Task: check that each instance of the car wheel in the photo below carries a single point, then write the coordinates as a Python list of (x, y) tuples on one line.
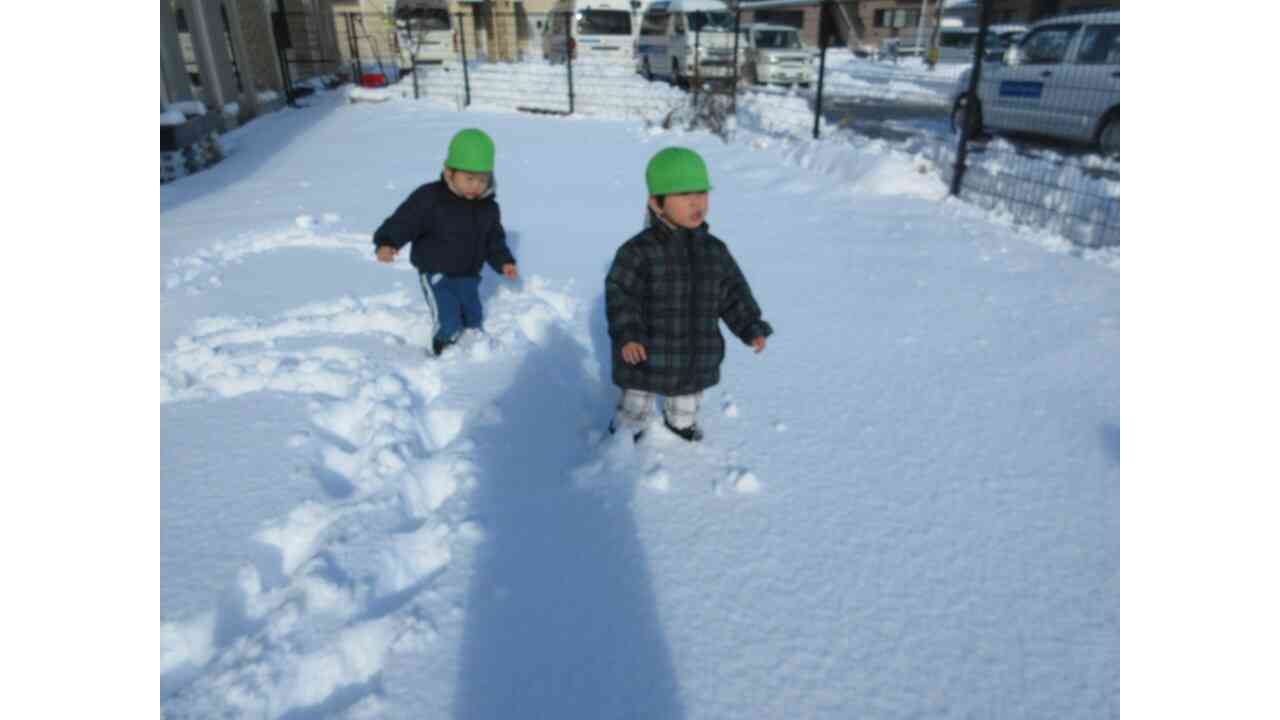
[(1109, 136), (960, 115)]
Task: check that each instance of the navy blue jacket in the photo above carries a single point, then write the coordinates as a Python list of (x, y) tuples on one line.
[(450, 234)]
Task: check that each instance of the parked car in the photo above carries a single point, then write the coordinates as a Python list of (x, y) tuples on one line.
[(1061, 80), (425, 29), (956, 45), (775, 54), (598, 30), (682, 38), (1009, 34)]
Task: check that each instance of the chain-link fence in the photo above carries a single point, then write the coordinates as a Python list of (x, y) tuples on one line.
[(1030, 131), (1038, 126)]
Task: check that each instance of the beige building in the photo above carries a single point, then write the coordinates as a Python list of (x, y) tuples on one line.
[(490, 30), (238, 57)]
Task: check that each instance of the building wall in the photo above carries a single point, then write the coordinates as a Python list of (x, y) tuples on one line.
[(260, 46), (874, 36)]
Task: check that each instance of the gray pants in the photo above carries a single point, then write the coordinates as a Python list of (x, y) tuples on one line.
[(680, 411)]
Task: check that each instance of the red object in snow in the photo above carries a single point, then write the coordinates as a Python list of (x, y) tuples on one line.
[(373, 80)]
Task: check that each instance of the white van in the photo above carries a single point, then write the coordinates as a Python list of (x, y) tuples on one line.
[(682, 38), (775, 54), (424, 27), (1061, 80), (598, 30)]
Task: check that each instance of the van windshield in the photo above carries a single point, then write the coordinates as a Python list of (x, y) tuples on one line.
[(604, 22), (778, 39), (713, 21), (422, 18)]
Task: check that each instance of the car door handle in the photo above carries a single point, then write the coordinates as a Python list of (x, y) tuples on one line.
[(1046, 73), (1115, 74)]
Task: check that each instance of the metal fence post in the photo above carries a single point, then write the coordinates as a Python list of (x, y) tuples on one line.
[(697, 64), (980, 48), (569, 51), (822, 64), (737, 28), (462, 42)]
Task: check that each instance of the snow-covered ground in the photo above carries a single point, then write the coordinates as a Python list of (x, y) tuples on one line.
[(908, 505), (908, 81)]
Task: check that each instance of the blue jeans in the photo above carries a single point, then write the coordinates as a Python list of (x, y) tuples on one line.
[(454, 303)]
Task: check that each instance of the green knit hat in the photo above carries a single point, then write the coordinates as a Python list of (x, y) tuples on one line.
[(676, 170), (471, 150)]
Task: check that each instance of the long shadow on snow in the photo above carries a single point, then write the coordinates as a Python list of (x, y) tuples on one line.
[(561, 615), (254, 145)]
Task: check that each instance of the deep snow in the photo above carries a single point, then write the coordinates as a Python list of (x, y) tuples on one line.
[(908, 505)]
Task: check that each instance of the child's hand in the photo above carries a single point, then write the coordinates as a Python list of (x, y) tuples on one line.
[(633, 352), (509, 270), (386, 253), (758, 343)]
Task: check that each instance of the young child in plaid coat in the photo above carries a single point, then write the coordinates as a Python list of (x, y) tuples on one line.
[(665, 295)]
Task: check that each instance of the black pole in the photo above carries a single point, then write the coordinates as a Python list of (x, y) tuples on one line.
[(737, 27), (466, 77), (280, 30), (970, 99), (353, 46), (822, 64), (569, 50), (696, 81)]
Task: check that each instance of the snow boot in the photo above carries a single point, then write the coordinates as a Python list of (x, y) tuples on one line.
[(691, 434), (634, 438), (438, 346)]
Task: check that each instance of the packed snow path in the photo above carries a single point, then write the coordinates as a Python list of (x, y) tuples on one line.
[(907, 506)]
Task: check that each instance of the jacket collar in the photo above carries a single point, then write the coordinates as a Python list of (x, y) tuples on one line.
[(669, 232)]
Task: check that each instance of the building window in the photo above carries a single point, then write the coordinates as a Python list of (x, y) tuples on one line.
[(901, 18)]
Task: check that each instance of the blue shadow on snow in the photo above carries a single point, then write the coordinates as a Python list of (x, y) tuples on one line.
[(561, 617)]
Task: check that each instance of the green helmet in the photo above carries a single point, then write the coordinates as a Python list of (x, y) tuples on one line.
[(471, 150), (676, 170)]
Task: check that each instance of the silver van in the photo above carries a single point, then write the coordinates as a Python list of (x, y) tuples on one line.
[(1061, 80), (776, 54)]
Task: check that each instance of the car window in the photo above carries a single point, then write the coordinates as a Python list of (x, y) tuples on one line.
[(604, 22), (1100, 45), (655, 23), (679, 28), (1048, 45), (778, 40), (958, 40)]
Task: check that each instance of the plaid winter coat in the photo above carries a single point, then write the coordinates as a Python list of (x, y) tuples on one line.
[(668, 290)]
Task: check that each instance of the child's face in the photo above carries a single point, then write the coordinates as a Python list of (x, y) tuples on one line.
[(686, 210), (469, 185)]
